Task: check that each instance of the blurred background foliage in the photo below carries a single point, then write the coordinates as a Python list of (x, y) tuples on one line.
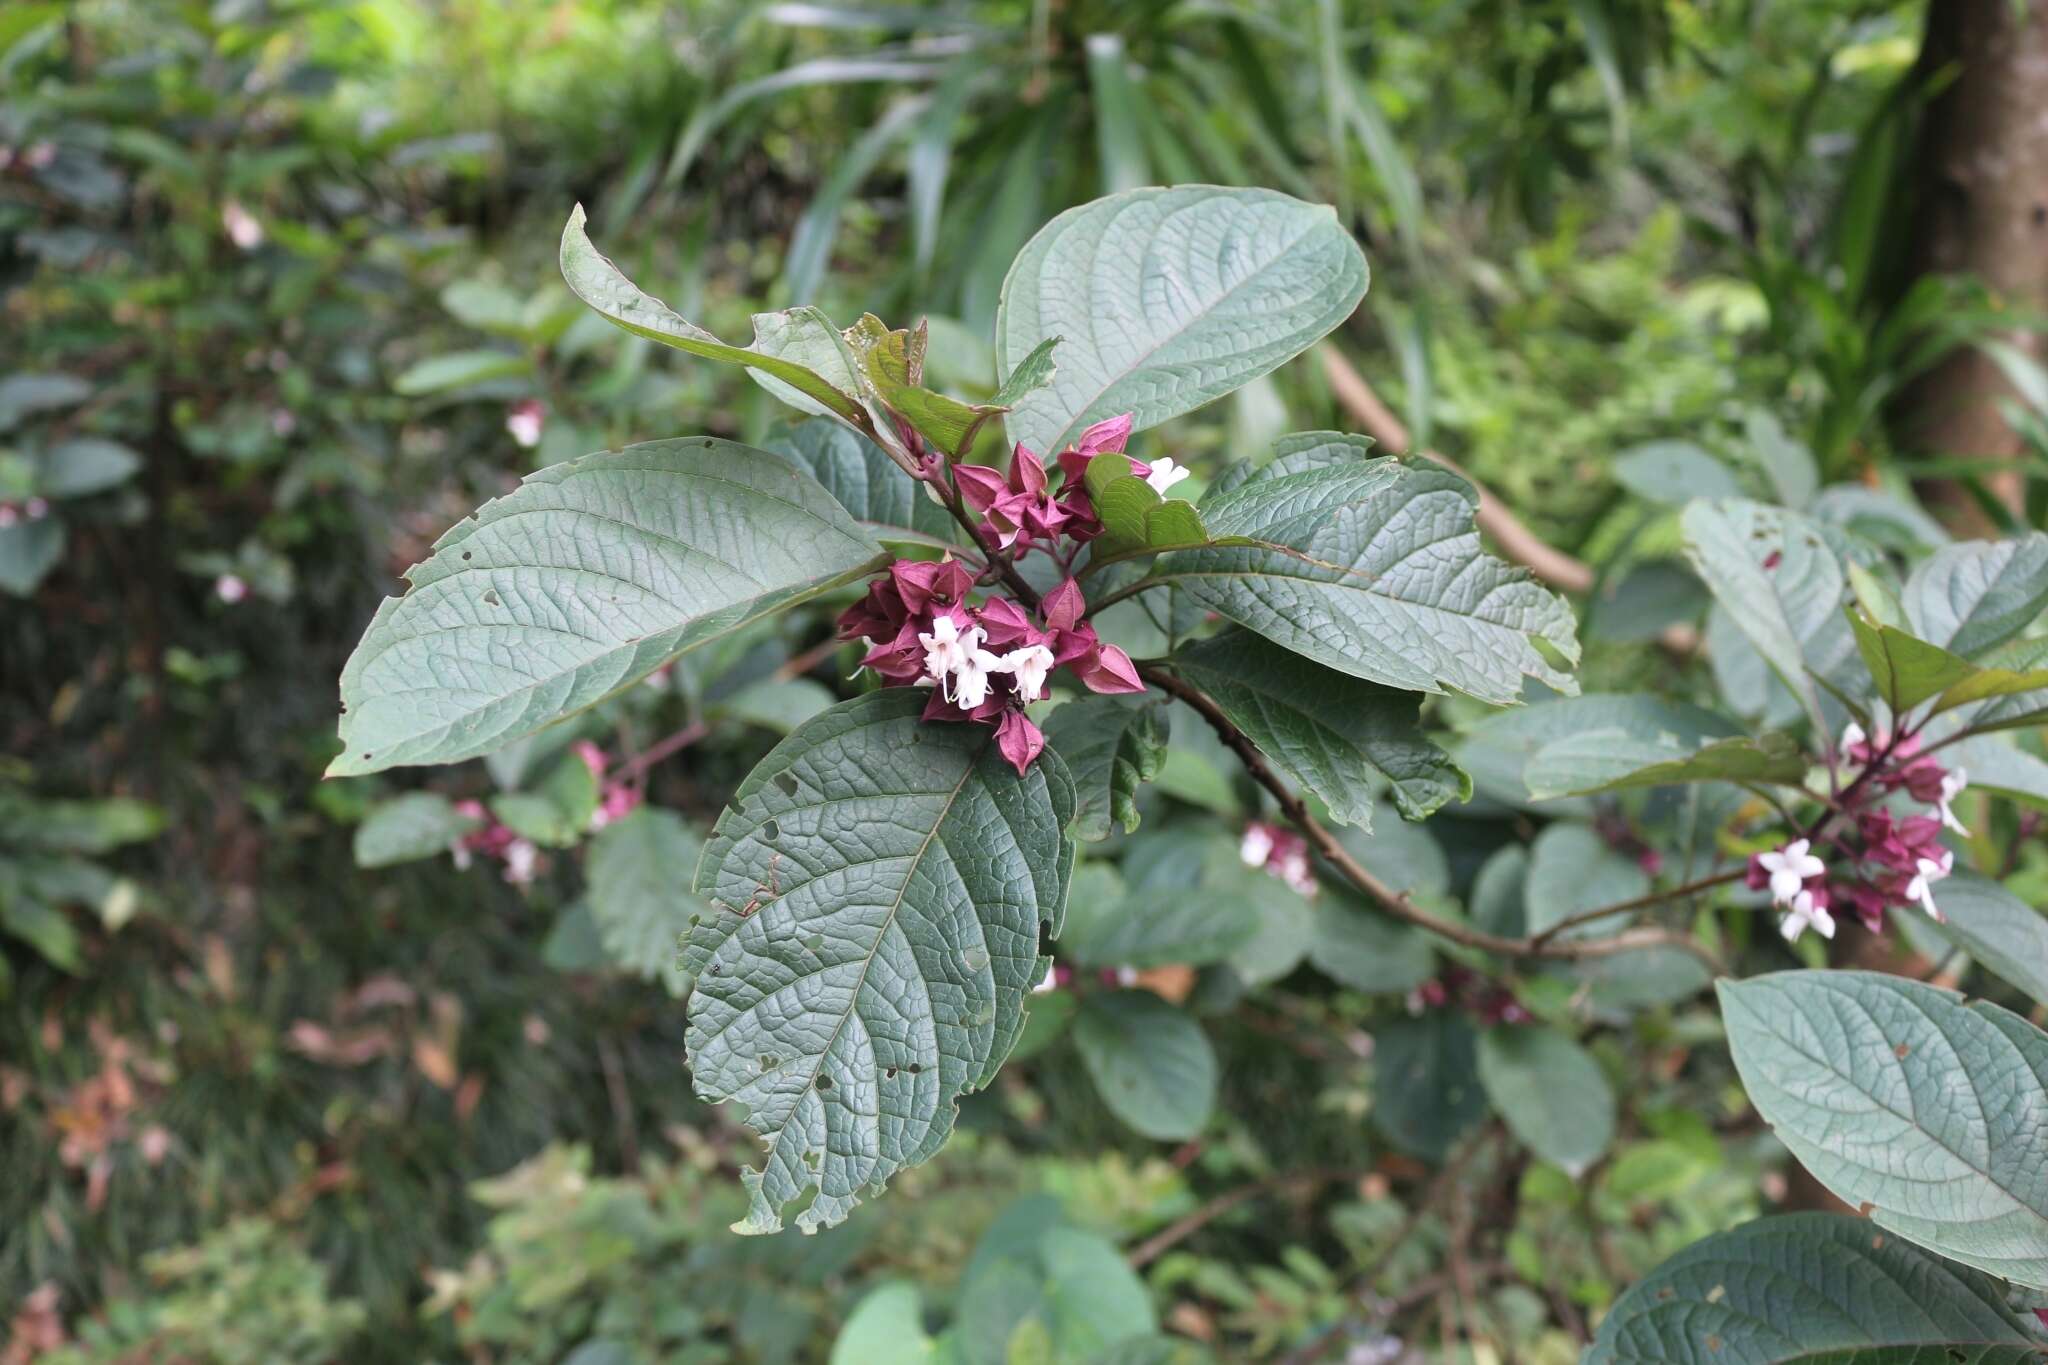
[(278, 305)]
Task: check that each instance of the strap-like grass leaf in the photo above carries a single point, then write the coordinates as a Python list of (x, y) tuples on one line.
[(585, 579), (1904, 1101), (1167, 299), (879, 887), (1374, 568), (1340, 737), (1806, 1288)]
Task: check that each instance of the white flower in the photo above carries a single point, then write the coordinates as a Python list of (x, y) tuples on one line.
[(1952, 787), (1852, 735), (230, 588), (1051, 982), (1295, 871), (1165, 474), (970, 679), (1921, 888), (520, 858), (947, 647), (1256, 846), (524, 421), (1805, 913), (459, 851), (1789, 868), (1028, 666), (243, 229)]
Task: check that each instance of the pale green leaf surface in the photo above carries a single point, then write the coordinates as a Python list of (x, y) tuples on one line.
[(1111, 745), (1342, 738), (863, 479), (409, 827), (798, 349), (1167, 299), (878, 886), (1374, 568), (1976, 594), (587, 578), (1783, 586), (639, 871), (1151, 1063), (1550, 1091), (1796, 1288), (1997, 929), (1426, 1092), (1898, 1096), (1571, 871)]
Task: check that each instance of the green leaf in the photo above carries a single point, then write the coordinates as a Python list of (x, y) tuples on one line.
[(797, 348), (1571, 871), (22, 395), (1501, 750), (1150, 1062), (1904, 1101), (865, 481), (85, 465), (459, 369), (1135, 518), (878, 890), (885, 1328), (1581, 764), (639, 896), (44, 928), (1997, 929), (1783, 587), (779, 704), (1358, 946), (1374, 568), (1153, 928), (409, 827), (2014, 710), (892, 362), (1034, 371), (1167, 299), (1798, 1287), (1036, 1282), (1111, 746), (1426, 1092), (75, 826), (1673, 473), (486, 306), (1908, 670), (1979, 593), (1997, 766), (587, 578), (1342, 738), (1550, 1091), (28, 551)]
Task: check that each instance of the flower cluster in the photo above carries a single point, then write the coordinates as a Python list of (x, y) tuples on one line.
[(1280, 852), (1486, 1001), (616, 799), (492, 838), (986, 662), (1022, 509), (29, 509), (1881, 860)]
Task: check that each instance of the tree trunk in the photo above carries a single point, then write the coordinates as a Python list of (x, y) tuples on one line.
[(1981, 209)]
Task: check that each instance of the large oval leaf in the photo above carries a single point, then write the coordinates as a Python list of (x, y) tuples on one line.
[(1970, 597), (866, 482), (587, 578), (1902, 1099), (1165, 299), (1151, 1063), (1787, 1289), (1552, 1093), (2005, 935), (1782, 585), (635, 868), (879, 886), (1375, 569), (1341, 738)]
